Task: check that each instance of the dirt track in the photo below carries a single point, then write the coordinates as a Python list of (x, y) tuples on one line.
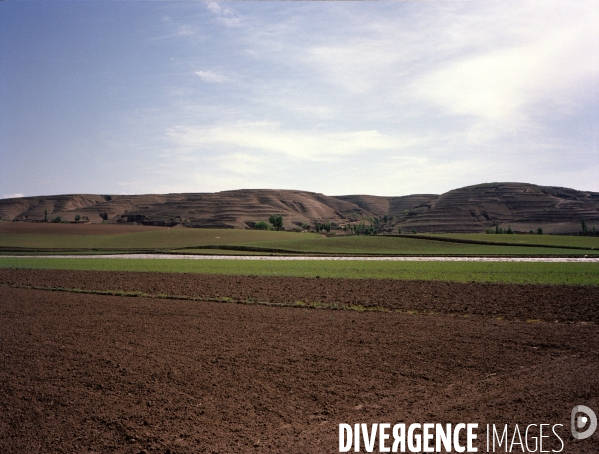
[(90, 373), (538, 302)]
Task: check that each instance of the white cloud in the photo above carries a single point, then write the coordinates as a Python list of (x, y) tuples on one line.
[(492, 66), (269, 138), (212, 76), (226, 15), (213, 7), (504, 81), (186, 30), (13, 196)]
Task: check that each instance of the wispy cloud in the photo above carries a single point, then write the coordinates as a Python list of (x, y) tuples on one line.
[(473, 88), (338, 97), (267, 137), (226, 15), (212, 76), (506, 79), (463, 76)]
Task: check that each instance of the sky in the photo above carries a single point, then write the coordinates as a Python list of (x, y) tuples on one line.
[(384, 98)]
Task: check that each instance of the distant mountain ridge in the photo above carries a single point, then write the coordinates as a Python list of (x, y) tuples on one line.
[(472, 209)]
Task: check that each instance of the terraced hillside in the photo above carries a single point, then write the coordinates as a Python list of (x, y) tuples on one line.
[(470, 209)]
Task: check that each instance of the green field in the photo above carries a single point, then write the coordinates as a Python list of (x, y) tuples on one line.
[(205, 241), (152, 239), (549, 240), (509, 272), (388, 245)]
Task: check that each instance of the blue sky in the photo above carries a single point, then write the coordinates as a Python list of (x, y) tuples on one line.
[(385, 98)]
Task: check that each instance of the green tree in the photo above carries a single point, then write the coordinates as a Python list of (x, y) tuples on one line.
[(414, 230), (386, 218), (276, 221), (399, 229), (509, 229), (539, 231), (77, 217), (45, 215), (583, 224)]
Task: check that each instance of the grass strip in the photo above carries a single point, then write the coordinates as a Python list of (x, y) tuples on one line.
[(500, 272), (220, 299)]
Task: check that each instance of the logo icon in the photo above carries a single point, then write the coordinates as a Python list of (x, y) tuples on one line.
[(578, 422)]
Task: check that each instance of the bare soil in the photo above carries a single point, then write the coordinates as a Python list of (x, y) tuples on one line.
[(82, 373), (548, 303)]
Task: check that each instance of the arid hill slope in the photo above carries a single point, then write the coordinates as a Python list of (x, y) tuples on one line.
[(469, 209)]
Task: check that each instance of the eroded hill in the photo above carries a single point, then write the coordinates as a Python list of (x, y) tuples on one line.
[(470, 209)]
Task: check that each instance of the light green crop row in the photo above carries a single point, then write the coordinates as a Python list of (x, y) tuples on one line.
[(508, 272)]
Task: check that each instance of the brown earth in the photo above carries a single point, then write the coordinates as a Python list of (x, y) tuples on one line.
[(84, 373), (470, 209), (548, 303)]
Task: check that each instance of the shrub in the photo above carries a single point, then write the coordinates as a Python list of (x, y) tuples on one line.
[(488, 231), (261, 225), (414, 230), (509, 230), (57, 219), (77, 217), (399, 230), (539, 231)]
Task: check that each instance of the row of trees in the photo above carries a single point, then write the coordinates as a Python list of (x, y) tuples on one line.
[(276, 223), (58, 219), (499, 230)]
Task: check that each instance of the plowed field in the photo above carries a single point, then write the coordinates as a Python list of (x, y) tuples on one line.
[(525, 302), (97, 373)]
